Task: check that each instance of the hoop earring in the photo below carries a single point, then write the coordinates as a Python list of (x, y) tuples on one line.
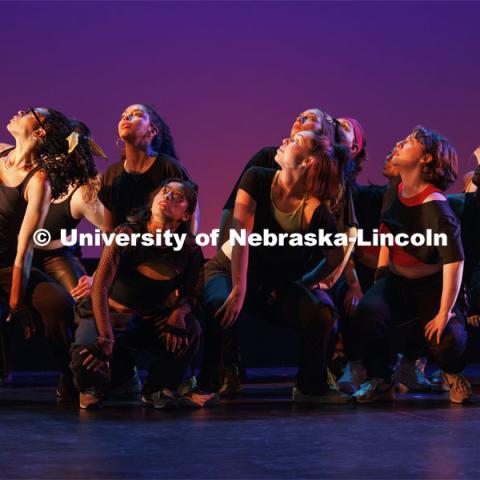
[(120, 143)]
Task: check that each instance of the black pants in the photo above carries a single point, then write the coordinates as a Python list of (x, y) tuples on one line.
[(51, 304), (338, 292), (139, 333), (62, 265), (294, 306), (391, 317)]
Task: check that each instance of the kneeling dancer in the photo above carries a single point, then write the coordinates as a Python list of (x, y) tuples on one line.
[(143, 298)]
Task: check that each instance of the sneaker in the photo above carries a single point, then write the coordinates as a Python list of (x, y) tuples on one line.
[(196, 398), (375, 390), (331, 397), (91, 399), (231, 382), (353, 376), (410, 378), (460, 388), (187, 385), (437, 380), (130, 386), (162, 399), (66, 391), (331, 380)]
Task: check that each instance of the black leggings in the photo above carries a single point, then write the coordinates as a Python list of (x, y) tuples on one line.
[(392, 316), (61, 264), (52, 305), (294, 306)]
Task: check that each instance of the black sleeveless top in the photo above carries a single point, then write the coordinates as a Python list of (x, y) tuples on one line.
[(59, 217), (12, 210)]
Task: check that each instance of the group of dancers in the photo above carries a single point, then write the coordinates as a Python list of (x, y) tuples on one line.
[(381, 303)]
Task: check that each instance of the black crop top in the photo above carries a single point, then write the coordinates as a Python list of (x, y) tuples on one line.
[(59, 217), (280, 263), (122, 192), (12, 210), (435, 215), (182, 271)]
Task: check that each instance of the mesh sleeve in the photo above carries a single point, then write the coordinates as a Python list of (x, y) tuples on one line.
[(105, 274)]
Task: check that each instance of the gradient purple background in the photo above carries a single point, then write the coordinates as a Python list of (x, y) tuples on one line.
[(229, 77)]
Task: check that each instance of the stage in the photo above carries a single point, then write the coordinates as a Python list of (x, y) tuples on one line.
[(259, 434)]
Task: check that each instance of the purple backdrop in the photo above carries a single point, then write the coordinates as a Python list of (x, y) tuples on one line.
[(229, 77)]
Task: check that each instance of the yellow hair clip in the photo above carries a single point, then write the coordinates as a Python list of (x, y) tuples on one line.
[(73, 140)]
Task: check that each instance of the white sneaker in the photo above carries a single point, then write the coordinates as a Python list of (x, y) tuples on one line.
[(375, 390), (163, 399), (410, 378), (460, 388), (353, 376), (332, 397)]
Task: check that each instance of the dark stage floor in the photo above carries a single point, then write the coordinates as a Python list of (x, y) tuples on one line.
[(259, 435)]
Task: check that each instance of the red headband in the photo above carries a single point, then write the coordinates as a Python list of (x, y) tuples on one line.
[(358, 131)]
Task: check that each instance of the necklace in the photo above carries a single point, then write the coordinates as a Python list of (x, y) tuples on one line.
[(9, 165)]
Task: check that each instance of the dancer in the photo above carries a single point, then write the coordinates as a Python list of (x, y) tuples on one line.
[(148, 295), (416, 286), (312, 120), (31, 172), (80, 201), (253, 280), (148, 158)]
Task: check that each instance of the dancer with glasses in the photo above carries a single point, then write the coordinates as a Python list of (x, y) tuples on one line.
[(32, 172)]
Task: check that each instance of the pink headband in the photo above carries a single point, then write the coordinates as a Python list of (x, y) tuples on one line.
[(357, 129)]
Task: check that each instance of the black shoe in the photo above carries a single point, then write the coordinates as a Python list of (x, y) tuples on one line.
[(231, 386)]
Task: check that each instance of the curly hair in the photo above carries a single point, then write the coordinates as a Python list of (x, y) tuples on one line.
[(442, 171), (142, 215), (62, 169), (82, 160)]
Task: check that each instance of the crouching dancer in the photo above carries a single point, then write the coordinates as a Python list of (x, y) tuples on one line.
[(276, 283), (416, 288), (143, 298)]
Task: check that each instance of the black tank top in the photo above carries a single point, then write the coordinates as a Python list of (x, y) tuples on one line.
[(12, 211), (59, 216)]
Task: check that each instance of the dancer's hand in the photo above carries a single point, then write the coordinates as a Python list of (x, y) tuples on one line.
[(229, 311), (21, 313), (83, 288), (436, 326), (175, 334), (352, 298), (474, 320), (99, 361)]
